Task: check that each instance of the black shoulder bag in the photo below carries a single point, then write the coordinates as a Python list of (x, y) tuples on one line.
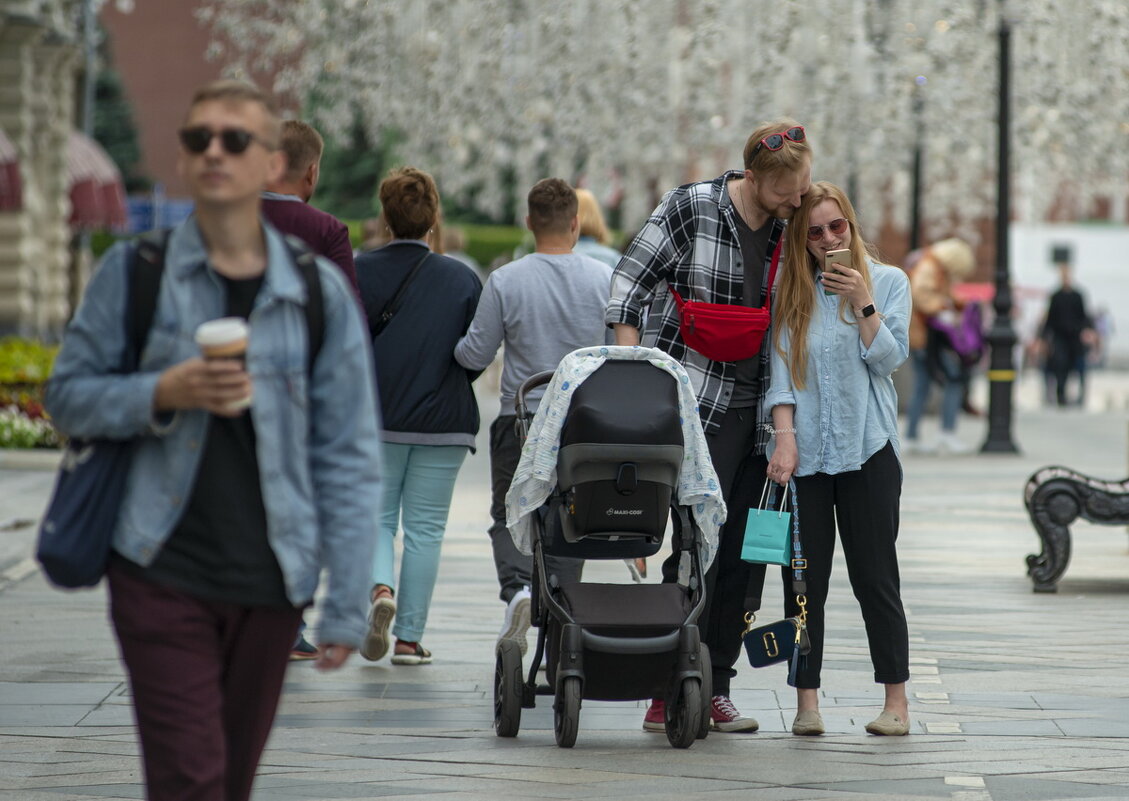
[(76, 535), (380, 322)]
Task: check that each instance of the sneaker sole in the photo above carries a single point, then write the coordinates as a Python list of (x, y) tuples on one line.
[(410, 659), (655, 728), (735, 726), (377, 641), (518, 625)]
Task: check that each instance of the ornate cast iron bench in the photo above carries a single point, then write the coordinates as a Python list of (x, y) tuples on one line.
[(1057, 496)]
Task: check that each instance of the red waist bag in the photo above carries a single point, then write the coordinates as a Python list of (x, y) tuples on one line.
[(725, 332)]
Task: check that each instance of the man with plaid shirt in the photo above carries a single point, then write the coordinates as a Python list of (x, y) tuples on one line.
[(714, 242)]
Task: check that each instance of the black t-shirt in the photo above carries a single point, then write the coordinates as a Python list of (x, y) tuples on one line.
[(754, 248), (219, 549)]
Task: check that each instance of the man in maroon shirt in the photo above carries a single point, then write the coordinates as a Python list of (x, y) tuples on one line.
[(286, 201), (286, 206)]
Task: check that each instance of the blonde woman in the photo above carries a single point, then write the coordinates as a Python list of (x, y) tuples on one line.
[(594, 237), (835, 426)]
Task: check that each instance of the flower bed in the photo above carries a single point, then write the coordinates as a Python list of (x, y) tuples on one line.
[(24, 367)]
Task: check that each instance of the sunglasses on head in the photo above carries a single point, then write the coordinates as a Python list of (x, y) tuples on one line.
[(776, 141), (234, 140), (836, 227)]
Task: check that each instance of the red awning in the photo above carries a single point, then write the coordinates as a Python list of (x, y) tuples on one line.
[(11, 187), (95, 185)]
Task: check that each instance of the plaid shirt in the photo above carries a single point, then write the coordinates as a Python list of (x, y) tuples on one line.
[(690, 243)]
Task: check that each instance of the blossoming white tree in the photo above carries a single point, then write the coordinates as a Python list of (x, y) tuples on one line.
[(645, 94)]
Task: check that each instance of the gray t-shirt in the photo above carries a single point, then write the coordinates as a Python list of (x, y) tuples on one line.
[(540, 307)]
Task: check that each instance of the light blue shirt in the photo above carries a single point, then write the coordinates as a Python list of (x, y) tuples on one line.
[(318, 444), (848, 408)]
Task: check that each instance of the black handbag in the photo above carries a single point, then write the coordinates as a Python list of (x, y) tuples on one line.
[(76, 536), (787, 639)]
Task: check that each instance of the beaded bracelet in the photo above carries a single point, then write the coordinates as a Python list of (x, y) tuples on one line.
[(774, 431)]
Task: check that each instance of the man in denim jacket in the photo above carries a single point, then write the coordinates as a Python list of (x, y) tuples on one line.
[(230, 512)]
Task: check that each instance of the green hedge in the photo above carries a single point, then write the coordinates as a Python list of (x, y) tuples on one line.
[(484, 242)]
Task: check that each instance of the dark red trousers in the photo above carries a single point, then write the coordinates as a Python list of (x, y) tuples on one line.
[(206, 679)]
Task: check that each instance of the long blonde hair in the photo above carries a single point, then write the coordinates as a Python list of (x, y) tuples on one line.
[(796, 290)]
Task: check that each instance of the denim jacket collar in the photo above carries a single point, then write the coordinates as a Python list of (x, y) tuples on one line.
[(188, 254)]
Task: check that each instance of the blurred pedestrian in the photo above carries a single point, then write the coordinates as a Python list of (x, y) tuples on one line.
[(286, 206), (835, 421), (231, 513), (427, 404), (1066, 332), (943, 264), (594, 238)]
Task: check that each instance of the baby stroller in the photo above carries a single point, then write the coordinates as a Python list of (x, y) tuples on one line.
[(621, 448)]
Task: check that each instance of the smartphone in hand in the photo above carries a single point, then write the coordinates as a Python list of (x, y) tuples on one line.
[(833, 260)]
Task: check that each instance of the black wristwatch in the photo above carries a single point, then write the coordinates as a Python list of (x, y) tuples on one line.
[(865, 311)]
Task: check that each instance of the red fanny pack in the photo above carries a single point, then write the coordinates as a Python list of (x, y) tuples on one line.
[(725, 332)]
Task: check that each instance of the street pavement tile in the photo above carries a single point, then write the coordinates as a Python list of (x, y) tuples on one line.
[(1012, 788), (1011, 728), (48, 693), (44, 715)]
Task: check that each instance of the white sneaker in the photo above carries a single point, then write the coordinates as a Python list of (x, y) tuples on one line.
[(918, 447), (951, 444), (517, 619)]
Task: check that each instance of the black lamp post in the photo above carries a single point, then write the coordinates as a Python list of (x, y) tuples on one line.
[(1001, 336), (915, 176)]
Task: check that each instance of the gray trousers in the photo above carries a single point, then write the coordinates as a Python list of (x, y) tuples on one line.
[(515, 569)]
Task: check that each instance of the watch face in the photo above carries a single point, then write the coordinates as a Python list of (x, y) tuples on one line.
[(867, 310)]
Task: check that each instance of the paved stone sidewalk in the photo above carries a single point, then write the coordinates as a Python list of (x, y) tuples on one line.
[(1014, 695)]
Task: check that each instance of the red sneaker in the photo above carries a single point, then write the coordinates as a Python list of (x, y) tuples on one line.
[(725, 717), (655, 719)]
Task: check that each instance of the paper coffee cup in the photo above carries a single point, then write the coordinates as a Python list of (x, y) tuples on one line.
[(225, 338)]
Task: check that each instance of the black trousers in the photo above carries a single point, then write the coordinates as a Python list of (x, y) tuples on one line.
[(741, 474), (865, 504)]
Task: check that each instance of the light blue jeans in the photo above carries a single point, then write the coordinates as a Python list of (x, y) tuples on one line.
[(952, 394), (417, 486)]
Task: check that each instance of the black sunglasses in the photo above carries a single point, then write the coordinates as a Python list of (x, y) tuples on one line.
[(234, 140), (776, 141)]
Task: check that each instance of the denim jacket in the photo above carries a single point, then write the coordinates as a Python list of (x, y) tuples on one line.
[(848, 409), (318, 442)]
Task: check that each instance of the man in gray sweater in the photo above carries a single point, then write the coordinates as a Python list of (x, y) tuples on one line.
[(541, 307)]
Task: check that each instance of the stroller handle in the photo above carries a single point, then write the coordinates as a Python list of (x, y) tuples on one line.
[(527, 386)]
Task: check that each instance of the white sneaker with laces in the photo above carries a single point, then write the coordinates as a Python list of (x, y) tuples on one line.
[(517, 619)]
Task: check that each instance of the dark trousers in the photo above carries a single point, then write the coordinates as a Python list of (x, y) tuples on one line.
[(515, 569), (865, 504), (741, 475), (206, 679)]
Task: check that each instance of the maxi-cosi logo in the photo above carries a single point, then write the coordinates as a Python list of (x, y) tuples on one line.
[(613, 511)]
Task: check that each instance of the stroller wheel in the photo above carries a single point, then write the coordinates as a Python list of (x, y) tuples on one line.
[(507, 689), (684, 716), (707, 690), (566, 711)]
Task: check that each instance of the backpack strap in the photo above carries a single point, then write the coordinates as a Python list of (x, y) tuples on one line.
[(146, 269), (306, 262)]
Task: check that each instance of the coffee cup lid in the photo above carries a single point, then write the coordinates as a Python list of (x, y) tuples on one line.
[(221, 331)]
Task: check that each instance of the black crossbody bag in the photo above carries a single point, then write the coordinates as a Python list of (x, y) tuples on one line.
[(377, 325)]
